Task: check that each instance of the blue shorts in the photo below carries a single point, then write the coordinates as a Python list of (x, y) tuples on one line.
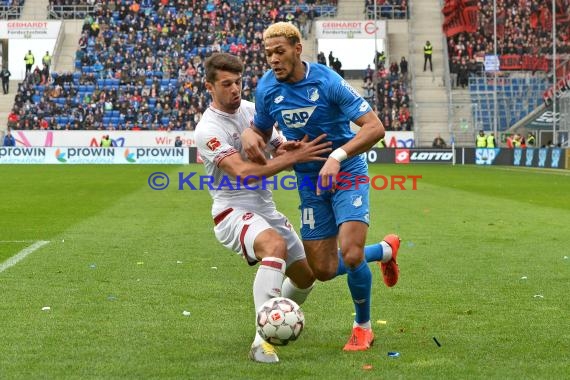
[(321, 215)]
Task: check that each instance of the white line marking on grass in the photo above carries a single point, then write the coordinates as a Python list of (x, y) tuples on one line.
[(16, 241), (22, 255), (562, 172)]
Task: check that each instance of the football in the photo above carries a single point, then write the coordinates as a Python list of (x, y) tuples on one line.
[(280, 320)]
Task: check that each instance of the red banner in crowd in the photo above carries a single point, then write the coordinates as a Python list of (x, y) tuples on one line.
[(460, 16), (510, 62), (471, 19), (534, 63)]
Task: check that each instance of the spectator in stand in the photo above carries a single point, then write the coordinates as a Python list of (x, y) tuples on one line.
[(368, 90), (331, 59), (394, 70), (337, 66), (404, 70), (13, 119), (439, 142), (46, 60), (454, 72), (463, 74), (9, 140), (5, 74)]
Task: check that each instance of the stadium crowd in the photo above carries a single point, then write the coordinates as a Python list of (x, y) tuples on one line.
[(391, 98), (524, 28), (387, 9), (140, 65)]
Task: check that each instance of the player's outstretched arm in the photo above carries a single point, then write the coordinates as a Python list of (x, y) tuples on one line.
[(371, 131), (314, 150)]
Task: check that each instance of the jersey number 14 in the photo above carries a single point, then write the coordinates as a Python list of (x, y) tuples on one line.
[(308, 218)]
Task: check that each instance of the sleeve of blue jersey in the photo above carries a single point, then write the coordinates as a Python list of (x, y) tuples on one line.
[(262, 119), (350, 102)]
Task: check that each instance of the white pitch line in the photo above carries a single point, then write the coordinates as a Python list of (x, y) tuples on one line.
[(22, 255), (16, 241)]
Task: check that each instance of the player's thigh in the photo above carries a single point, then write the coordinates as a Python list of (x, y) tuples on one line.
[(239, 230), (352, 204), (317, 215), (352, 208), (283, 227)]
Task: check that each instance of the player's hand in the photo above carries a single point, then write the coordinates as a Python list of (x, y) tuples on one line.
[(311, 150), (327, 176), (287, 146), (254, 146)]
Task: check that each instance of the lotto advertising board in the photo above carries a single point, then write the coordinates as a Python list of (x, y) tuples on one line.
[(423, 156), (70, 155)]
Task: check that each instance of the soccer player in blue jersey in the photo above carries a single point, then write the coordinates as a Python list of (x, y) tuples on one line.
[(311, 99)]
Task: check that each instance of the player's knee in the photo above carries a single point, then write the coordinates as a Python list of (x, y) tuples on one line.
[(352, 256), (276, 248)]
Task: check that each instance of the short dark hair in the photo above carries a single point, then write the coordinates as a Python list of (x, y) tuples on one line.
[(222, 62)]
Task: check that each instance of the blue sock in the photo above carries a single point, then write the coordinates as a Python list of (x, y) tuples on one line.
[(373, 252), (360, 284)]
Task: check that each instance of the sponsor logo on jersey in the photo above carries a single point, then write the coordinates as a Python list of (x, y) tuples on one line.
[(350, 89), (298, 117), (278, 99), (213, 144), (247, 216), (364, 106), (313, 93), (402, 156)]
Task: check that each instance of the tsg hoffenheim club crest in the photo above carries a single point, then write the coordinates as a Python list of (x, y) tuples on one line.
[(313, 94)]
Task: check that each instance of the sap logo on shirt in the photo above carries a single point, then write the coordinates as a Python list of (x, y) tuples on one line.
[(298, 117)]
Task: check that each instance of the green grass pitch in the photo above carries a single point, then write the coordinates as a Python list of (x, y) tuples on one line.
[(484, 269)]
